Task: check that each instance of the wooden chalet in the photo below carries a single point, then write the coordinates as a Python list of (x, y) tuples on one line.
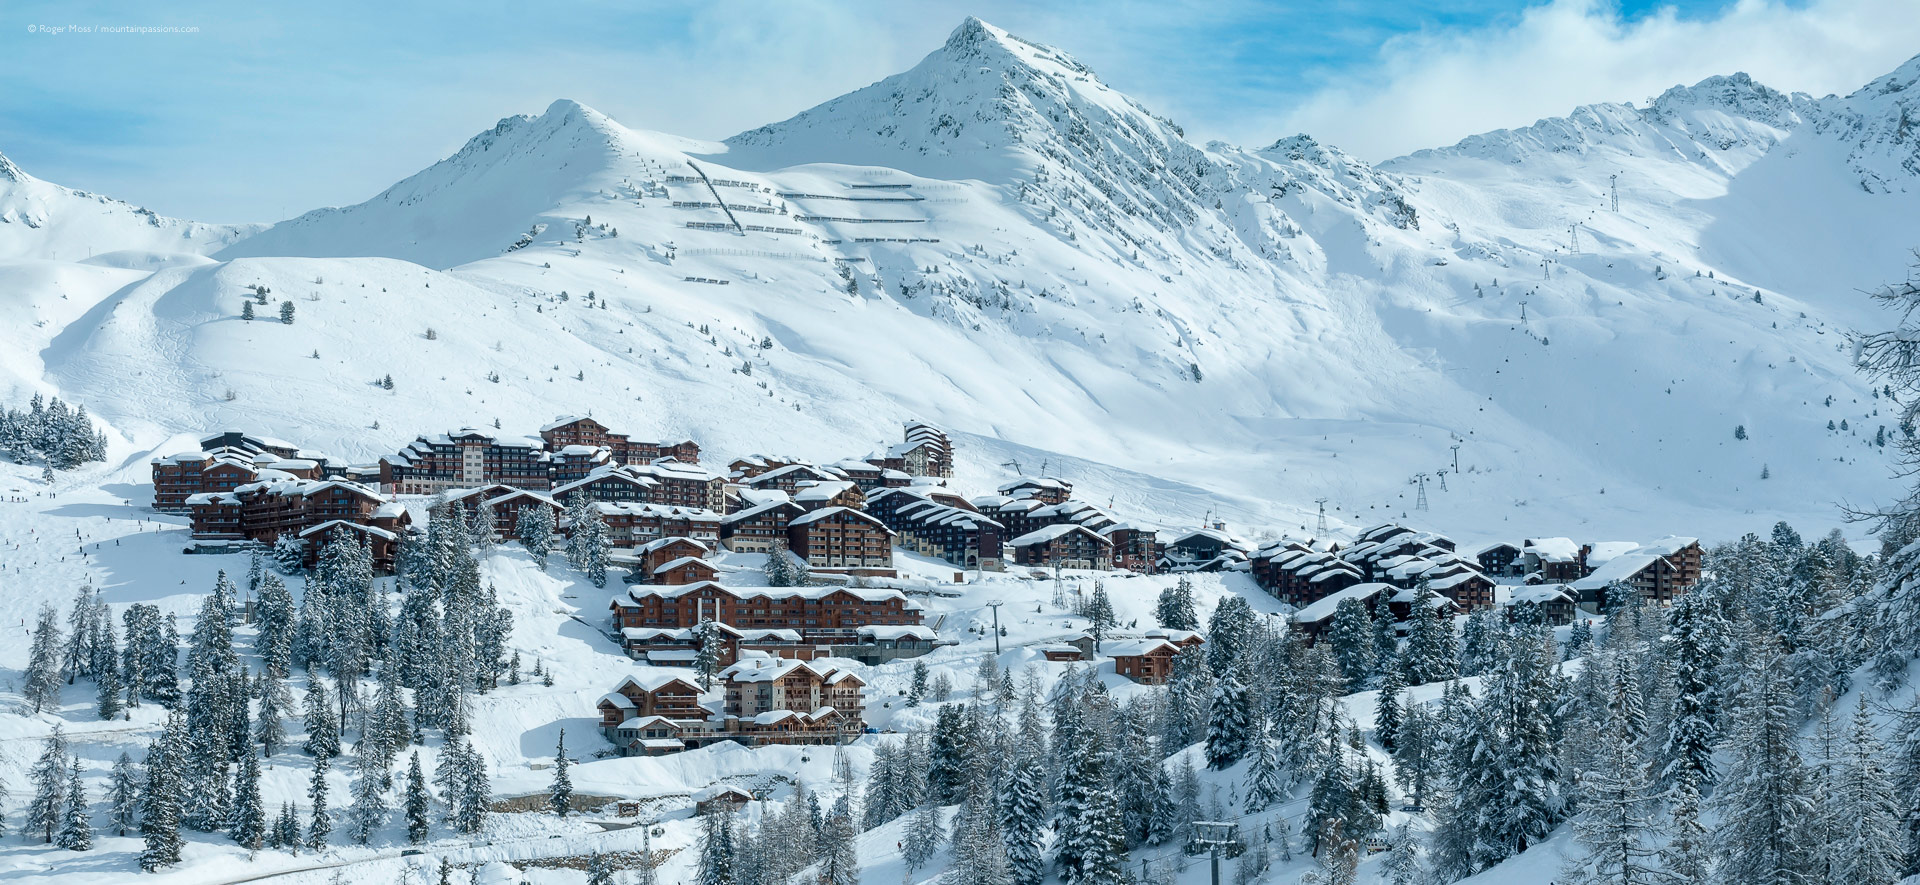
[(841, 539), (759, 529), (1661, 571), (1066, 545)]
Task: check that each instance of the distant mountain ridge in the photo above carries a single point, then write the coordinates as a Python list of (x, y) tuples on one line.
[(997, 241)]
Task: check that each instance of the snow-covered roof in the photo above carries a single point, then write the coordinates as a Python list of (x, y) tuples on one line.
[(1129, 648), (1048, 534), (825, 512), (1325, 607), (1553, 549), (331, 524), (890, 633)]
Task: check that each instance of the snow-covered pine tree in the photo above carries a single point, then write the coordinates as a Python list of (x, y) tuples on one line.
[(1228, 725), (839, 864), (418, 802), (1229, 630), (286, 829), (1387, 714), (706, 658), (1687, 857), (48, 778), (107, 701), (274, 615), (924, 836), (323, 730), (1174, 609), (560, 798), (1693, 654), (1091, 844), (917, 689), (1402, 864), (1351, 636), (371, 782), (76, 826), (1266, 779), (1764, 800), (320, 822), (42, 685), (476, 790), (1100, 615), (1431, 653), (534, 528), (1616, 822), (1023, 815), (1483, 642), (1413, 754), (269, 729), (249, 824), (715, 865), (123, 795), (77, 656), (160, 800), (1866, 844)]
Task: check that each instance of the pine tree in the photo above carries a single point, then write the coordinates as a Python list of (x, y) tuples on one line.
[(1615, 822), (323, 730), (924, 836), (839, 865), (45, 813), (160, 800), (1175, 610), (269, 730), (917, 689), (286, 312), (561, 799), (1092, 847), (76, 828), (1693, 658), (42, 686), (1266, 780), (320, 823), (107, 702), (123, 795), (706, 658), (1351, 636), (1431, 651), (249, 826), (534, 528), (1228, 726), (1866, 845), (1230, 629), (369, 811), (1100, 615), (286, 829), (1765, 801), (246, 310), (1687, 856), (599, 872), (1402, 865), (1386, 710), (1023, 816), (716, 861)]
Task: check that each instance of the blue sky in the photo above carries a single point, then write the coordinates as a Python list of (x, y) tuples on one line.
[(266, 111)]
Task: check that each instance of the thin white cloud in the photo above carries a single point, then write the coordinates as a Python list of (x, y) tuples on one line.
[(1432, 89)]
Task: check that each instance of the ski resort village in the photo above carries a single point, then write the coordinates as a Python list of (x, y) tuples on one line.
[(976, 479)]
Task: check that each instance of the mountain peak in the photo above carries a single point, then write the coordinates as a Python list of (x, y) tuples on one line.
[(10, 172), (1737, 94)]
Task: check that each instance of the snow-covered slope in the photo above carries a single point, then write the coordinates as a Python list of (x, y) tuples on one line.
[(42, 220), (996, 241)]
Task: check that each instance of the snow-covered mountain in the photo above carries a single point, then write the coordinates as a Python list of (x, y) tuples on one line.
[(997, 241)]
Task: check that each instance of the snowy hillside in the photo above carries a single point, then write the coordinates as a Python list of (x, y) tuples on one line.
[(998, 242)]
